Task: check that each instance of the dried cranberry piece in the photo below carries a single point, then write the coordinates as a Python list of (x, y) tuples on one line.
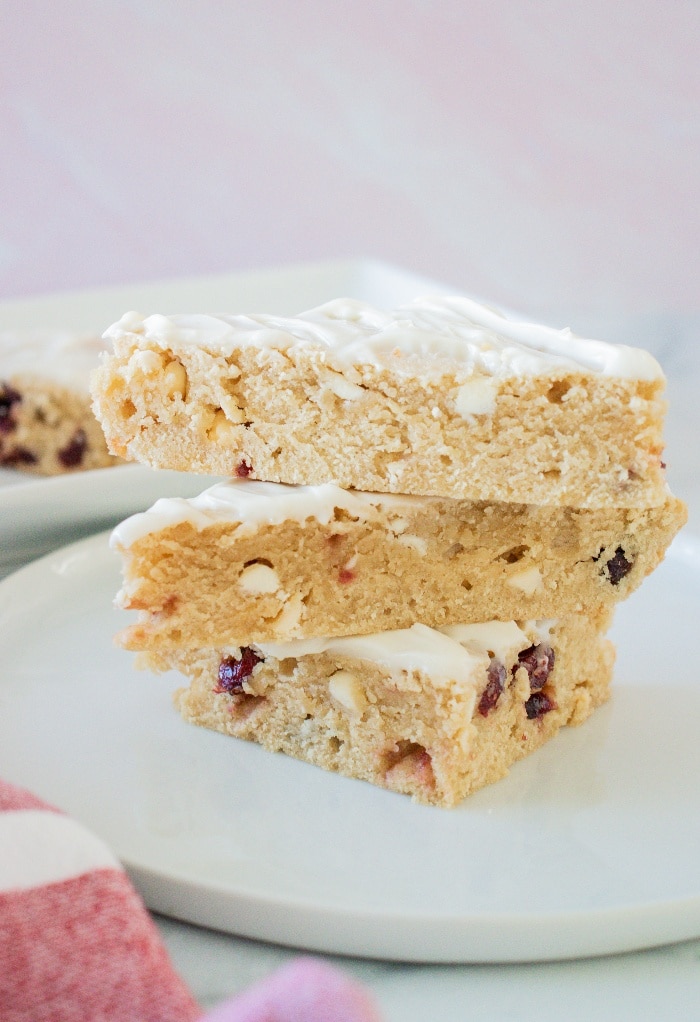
[(538, 661), (345, 575), (618, 566), (18, 456), (538, 704), (496, 681), (8, 398), (72, 454), (243, 469), (232, 672)]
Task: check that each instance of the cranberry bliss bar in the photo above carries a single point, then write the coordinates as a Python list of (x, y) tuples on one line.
[(441, 397), (46, 422), (432, 714), (248, 561)]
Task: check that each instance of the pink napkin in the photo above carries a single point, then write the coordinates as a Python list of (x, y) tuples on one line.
[(78, 945)]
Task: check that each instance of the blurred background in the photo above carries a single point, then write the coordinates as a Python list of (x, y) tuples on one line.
[(543, 155)]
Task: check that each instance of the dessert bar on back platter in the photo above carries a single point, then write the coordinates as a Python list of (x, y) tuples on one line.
[(46, 422)]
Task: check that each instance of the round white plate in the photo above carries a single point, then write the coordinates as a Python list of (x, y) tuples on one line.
[(590, 846), (39, 514)]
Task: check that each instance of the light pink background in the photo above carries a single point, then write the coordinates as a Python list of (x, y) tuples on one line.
[(539, 153)]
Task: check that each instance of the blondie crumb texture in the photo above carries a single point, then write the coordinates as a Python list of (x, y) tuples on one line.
[(395, 420), (49, 429), (372, 566), (435, 738)]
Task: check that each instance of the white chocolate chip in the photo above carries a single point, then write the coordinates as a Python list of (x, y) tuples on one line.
[(414, 542), (476, 397), (231, 410), (259, 579), (175, 379), (341, 387), (289, 618), (221, 427), (520, 684), (147, 361), (347, 690), (395, 471), (398, 525), (527, 581)]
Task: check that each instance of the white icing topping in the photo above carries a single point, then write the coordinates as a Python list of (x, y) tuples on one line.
[(57, 355), (500, 638), (453, 653), (350, 333), (418, 648), (252, 504)]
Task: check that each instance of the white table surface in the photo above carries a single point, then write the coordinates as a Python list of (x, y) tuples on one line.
[(543, 156)]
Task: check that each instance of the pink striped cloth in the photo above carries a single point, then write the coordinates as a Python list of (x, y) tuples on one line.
[(78, 945)]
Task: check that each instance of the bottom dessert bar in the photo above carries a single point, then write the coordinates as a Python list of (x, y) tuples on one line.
[(431, 714)]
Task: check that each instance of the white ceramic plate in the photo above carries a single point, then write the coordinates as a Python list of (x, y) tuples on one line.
[(588, 847), (38, 515), (280, 291)]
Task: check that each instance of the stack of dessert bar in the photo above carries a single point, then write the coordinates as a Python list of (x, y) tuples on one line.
[(429, 517)]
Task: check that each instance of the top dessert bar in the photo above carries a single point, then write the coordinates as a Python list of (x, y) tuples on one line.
[(46, 422), (442, 397)]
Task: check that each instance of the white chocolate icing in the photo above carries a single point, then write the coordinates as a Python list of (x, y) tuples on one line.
[(57, 355), (351, 333), (450, 654), (417, 648), (253, 504), (498, 638)]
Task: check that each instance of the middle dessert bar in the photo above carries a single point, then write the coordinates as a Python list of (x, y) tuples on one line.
[(249, 561)]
